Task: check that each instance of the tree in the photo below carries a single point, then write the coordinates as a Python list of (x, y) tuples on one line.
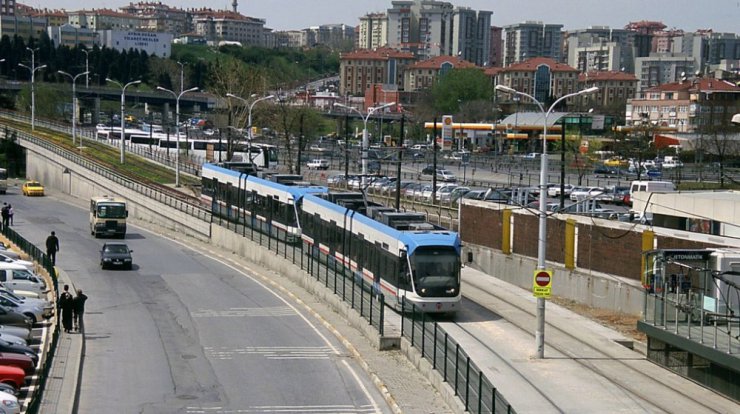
[(457, 86)]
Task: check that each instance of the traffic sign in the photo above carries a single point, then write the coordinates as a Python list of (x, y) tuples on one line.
[(542, 283)]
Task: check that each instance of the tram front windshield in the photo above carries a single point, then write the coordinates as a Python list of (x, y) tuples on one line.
[(436, 271)]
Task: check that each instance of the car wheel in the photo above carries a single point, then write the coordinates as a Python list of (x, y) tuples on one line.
[(129, 266), (31, 316), (102, 265)]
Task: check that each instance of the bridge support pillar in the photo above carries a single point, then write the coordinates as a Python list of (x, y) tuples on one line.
[(96, 111)]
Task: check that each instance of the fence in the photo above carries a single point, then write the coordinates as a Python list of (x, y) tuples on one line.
[(38, 256), (448, 358), (342, 281)]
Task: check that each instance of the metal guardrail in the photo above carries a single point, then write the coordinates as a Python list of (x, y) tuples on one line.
[(150, 191), (38, 256), (352, 289), (447, 357)]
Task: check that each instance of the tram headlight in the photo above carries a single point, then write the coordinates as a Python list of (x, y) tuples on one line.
[(451, 291), (423, 290)]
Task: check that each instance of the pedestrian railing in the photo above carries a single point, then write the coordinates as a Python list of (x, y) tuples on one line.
[(38, 256), (346, 284), (450, 360)]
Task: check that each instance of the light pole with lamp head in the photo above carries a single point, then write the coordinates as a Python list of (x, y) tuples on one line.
[(541, 242), (123, 110), (249, 117), (74, 102), (365, 139), (33, 70), (177, 128), (182, 75)]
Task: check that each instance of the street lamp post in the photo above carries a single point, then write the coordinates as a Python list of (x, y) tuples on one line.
[(541, 242), (177, 128), (33, 70), (249, 117), (365, 139), (123, 110), (74, 102), (87, 68)]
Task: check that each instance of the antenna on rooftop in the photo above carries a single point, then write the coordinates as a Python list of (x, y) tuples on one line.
[(234, 4)]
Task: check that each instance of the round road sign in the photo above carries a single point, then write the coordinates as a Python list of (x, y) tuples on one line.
[(542, 279)]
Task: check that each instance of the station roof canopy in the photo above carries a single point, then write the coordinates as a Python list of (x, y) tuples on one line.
[(532, 119)]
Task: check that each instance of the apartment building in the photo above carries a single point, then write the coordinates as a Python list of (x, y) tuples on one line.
[(159, 17), (103, 19), (362, 68), (373, 31), (689, 105), (614, 87), (220, 25), (423, 74), (531, 40), (540, 77), (600, 48)]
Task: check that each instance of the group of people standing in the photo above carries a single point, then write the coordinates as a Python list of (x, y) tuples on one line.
[(72, 310), (7, 214)]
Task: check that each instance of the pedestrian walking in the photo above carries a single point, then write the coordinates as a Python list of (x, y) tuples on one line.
[(79, 310), (10, 213), (5, 213), (52, 247), (66, 307)]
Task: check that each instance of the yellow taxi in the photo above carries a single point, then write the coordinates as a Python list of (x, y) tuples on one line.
[(32, 188), (616, 162)]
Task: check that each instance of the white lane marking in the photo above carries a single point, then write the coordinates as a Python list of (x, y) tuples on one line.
[(315, 409)]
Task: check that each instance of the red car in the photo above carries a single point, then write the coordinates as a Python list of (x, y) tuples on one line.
[(12, 376), (21, 361)]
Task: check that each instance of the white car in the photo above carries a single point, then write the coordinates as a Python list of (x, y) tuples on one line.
[(580, 193), (9, 403), (8, 259), (318, 164), (555, 190)]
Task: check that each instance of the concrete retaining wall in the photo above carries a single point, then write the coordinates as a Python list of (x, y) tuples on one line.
[(581, 285), (54, 171)]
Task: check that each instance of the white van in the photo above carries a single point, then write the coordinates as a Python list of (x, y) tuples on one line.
[(16, 277), (652, 187)]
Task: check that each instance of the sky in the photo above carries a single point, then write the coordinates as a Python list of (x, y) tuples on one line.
[(689, 15)]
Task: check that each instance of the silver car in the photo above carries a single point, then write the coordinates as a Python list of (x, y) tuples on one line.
[(35, 312)]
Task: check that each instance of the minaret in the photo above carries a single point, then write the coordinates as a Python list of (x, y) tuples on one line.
[(234, 4)]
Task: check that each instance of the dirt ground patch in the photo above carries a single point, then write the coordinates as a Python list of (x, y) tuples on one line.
[(621, 322)]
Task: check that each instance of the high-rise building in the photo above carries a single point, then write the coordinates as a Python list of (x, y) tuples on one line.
[(532, 39), (471, 35), (600, 48), (7, 7), (660, 68), (495, 57), (431, 28), (373, 31)]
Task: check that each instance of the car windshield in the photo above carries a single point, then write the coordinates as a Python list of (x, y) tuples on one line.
[(116, 248), (34, 184), (111, 210)]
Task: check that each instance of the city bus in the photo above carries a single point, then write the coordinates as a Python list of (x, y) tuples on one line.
[(108, 216), (3, 181)]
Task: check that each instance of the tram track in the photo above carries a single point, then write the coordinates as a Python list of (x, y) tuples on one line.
[(649, 386)]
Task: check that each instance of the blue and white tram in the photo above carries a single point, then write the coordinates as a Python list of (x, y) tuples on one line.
[(422, 266), (261, 204)]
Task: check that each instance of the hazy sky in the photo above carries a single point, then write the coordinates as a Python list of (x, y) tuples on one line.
[(689, 15)]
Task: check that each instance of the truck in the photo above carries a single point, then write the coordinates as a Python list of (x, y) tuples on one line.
[(108, 216)]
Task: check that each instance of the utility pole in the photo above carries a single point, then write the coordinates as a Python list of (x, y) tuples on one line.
[(434, 161), (398, 167)]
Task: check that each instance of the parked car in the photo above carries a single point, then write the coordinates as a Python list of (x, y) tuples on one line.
[(8, 389), (442, 174), (33, 188), (13, 339), (9, 403), (13, 376), (8, 317), (318, 164), (336, 180), (580, 193), (34, 310), (20, 332), (457, 193), (613, 195), (555, 191), (116, 254), (17, 277), (7, 259), (21, 361), (26, 350)]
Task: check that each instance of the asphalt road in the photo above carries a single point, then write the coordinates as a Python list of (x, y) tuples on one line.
[(184, 333)]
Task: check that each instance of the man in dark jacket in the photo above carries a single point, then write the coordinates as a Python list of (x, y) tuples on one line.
[(52, 247), (66, 306), (79, 310)]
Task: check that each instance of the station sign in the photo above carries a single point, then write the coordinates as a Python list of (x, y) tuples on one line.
[(542, 283)]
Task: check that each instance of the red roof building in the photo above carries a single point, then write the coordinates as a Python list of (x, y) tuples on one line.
[(360, 69), (422, 75), (540, 77)]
